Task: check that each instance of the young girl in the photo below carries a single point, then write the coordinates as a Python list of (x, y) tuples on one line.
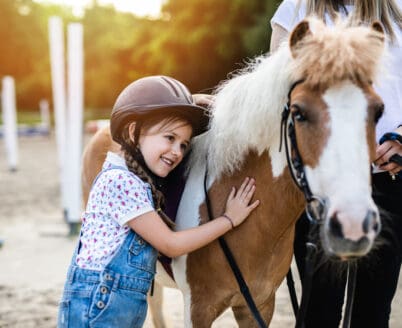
[(123, 226)]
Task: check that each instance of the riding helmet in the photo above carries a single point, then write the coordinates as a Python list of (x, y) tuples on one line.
[(156, 95)]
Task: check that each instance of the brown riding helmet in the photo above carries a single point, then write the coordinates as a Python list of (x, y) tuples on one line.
[(156, 95)]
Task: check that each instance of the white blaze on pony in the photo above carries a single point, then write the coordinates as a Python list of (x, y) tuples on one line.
[(346, 179), (334, 110)]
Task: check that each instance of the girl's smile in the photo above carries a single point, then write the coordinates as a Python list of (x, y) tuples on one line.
[(164, 146)]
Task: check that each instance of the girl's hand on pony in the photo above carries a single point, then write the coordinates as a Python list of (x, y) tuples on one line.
[(238, 205)]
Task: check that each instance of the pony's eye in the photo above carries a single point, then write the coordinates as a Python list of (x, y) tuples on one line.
[(298, 114), (379, 110)]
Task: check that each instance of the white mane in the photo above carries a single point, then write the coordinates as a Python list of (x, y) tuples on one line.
[(247, 114)]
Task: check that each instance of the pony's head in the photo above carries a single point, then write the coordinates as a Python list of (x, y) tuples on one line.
[(334, 110)]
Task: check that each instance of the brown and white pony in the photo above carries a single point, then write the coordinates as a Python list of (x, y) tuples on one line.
[(335, 109)]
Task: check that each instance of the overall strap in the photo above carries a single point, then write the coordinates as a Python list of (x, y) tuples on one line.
[(131, 233), (78, 246), (111, 167)]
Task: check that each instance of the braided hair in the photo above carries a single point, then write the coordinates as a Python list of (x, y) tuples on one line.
[(136, 164)]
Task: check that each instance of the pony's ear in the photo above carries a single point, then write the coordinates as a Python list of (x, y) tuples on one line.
[(299, 32), (377, 26)]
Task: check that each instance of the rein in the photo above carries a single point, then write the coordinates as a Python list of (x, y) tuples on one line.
[(233, 264), (315, 210)]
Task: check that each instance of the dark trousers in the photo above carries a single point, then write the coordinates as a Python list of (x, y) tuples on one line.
[(377, 273)]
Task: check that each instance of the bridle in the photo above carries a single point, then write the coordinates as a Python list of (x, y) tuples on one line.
[(316, 212), (315, 207)]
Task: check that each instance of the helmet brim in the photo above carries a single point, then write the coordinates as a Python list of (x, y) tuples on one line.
[(197, 116)]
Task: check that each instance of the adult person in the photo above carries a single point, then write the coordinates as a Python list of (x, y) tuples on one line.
[(377, 275)]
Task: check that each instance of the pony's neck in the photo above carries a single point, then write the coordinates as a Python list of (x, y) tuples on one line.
[(247, 115)]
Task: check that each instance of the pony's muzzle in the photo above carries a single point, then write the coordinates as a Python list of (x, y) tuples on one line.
[(344, 238)]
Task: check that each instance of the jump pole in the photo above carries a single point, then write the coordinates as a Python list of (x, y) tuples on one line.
[(75, 124), (10, 122), (57, 65)]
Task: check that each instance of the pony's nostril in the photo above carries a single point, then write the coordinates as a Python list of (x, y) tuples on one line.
[(370, 222), (376, 227), (335, 227)]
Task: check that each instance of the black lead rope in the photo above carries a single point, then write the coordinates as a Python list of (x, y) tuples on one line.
[(233, 264), (352, 272), (292, 291), (307, 284)]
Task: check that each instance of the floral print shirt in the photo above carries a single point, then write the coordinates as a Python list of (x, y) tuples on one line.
[(116, 197)]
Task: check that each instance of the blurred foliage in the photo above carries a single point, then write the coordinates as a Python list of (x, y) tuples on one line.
[(198, 42)]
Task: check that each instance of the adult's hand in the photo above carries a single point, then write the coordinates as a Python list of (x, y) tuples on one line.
[(204, 100)]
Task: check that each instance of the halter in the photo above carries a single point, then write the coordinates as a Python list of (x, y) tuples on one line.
[(295, 162), (315, 205), (316, 211)]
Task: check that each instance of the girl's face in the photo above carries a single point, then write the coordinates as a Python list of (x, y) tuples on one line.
[(164, 146)]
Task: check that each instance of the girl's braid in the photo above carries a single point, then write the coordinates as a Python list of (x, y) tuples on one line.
[(132, 164), (137, 169)]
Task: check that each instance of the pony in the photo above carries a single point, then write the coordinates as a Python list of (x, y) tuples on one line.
[(324, 76)]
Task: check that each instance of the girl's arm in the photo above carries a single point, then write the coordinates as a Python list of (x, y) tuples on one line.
[(175, 243)]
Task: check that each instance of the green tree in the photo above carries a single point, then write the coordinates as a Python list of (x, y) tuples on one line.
[(108, 35), (204, 40), (199, 42), (25, 50)]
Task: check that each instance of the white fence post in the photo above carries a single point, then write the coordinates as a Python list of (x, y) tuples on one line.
[(75, 119), (10, 122), (57, 63)]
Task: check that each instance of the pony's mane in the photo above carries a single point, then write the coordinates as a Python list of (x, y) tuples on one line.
[(246, 114)]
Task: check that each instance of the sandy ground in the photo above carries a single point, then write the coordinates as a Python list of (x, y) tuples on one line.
[(37, 249)]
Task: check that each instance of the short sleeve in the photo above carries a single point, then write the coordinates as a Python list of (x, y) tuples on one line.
[(286, 15), (122, 195)]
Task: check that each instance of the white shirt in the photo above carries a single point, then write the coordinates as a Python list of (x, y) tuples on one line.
[(388, 86), (116, 197)]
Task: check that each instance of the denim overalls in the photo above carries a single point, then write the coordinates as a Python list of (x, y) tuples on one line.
[(114, 297)]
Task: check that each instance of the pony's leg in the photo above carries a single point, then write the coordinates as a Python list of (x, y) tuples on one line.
[(245, 319), (200, 315), (203, 319), (155, 305)]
